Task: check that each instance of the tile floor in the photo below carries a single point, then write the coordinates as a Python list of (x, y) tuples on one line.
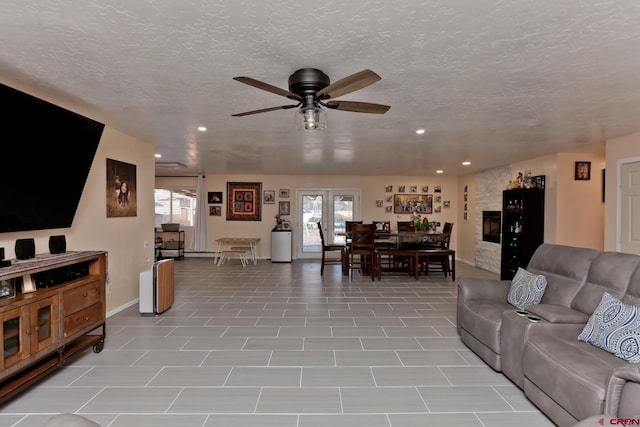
[(278, 345)]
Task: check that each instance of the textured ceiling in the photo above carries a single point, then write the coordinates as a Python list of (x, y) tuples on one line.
[(491, 81)]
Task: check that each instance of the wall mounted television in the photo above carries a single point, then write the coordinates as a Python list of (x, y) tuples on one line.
[(46, 153)]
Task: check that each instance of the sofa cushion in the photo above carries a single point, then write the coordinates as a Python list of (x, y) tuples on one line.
[(70, 420), (609, 272), (614, 327), (572, 373), (565, 268), (483, 320), (526, 289)]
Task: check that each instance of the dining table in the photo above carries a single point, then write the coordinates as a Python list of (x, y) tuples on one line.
[(231, 244), (398, 237)]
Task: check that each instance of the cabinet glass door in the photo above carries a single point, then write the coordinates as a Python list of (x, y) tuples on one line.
[(42, 322), (12, 345)]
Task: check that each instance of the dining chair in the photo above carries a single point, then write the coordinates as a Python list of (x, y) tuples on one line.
[(441, 263), (403, 262), (348, 225), (332, 247), (362, 252), (405, 225), (384, 240)]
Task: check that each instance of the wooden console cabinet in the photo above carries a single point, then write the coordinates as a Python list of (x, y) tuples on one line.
[(40, 330)]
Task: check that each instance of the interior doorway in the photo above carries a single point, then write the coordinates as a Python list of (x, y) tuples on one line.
[(629, 208), (330, 207)]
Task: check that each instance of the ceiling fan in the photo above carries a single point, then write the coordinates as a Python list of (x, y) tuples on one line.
[(312, 90)]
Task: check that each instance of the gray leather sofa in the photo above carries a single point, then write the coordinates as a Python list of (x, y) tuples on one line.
[(567, 379)]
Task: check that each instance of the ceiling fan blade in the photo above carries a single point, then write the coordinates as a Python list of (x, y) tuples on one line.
[(349, 84), (266, 86), (264, 110), (358, 107)]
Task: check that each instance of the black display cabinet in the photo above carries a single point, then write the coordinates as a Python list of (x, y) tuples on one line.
[(522, 228)]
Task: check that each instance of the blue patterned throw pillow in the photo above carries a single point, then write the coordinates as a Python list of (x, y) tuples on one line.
[(614, 327), (526, 289)]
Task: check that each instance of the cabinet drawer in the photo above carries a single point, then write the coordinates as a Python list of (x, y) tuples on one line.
[(81, 297), (82, 319)]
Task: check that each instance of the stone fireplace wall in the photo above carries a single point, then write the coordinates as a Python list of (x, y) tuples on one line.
[(489, 187)]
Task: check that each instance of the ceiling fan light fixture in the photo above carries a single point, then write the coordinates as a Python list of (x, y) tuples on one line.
[(310, 119)]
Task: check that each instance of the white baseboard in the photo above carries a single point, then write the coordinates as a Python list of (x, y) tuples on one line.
[(200, 254)]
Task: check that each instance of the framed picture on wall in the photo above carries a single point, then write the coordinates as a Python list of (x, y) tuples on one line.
[(121, 189), (284, 208), (583, 171), (214, 197), (244, 201), (269, 197), (408, 203)]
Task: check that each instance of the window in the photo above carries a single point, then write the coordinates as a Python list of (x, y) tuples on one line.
[(175, 205)]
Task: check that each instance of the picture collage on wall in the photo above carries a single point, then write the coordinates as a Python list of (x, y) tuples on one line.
[(465, 209), (413, 199)]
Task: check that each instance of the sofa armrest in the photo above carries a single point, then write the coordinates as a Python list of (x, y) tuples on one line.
[(622, 397), (563, 331), (472, 288), (558, 313)]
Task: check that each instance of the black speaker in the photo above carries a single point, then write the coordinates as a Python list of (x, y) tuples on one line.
[(1, 254), (25, 248), (57, 244)]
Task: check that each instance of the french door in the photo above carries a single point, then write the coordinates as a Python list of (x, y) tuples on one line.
[(331, 208)]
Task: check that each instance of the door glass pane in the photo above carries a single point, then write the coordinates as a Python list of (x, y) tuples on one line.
[(11, 334), (312, 206), (44, 323), (342, 211)]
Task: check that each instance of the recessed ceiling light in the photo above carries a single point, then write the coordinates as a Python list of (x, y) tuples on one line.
[(202, 128), (420, 131), (466, 163), (439, 171), (158, 155)]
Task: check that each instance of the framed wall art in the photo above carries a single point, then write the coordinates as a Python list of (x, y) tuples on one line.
[(284, 193), (121, 189), (269, 197), (284, 208), (408, 203), (214, 197), (215, 210), (583, 171), (244, 201)]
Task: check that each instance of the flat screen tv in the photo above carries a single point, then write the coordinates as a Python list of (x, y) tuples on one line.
[(46, 153)]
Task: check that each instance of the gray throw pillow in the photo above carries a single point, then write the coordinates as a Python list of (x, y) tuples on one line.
[(526, 289)]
